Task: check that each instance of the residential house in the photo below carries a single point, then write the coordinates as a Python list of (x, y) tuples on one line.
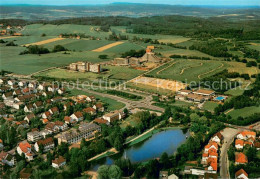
[(42, 87), (77, 116), (22, 83), (29, 117), (239, 144), (257, 145), (7, 158), (91, 99), (7, 96), (45, 132), (11, 82), (241, 174), (46, 115), (47, 144), (25, 148), (180, 97), (211, 145), (17, 92), (44, 120), (99, 107), (113, 116), (61, 91), (67, 105), (69, 120), (57, 99), (32, 85), (212, 164), (53, 88), (38, 104), (218, 137), (58, 162), (52, 127), (34, 136), (29, 108), (62, 126), (54, 110), (246, 134), (90, 110), (48, 93), (18, 105), (240, 158)]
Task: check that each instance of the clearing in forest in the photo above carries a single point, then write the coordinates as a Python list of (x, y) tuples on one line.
[(44, 41), (101, 49)]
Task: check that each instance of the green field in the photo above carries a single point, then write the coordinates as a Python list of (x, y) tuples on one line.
[(190, 70), (235, 92), (131, 120), (210, 106), (244, 112), (112, 104)]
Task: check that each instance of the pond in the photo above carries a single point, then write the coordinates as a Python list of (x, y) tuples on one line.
[(165, 141)]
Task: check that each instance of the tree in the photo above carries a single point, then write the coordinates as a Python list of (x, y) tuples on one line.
[(114, 172), (165, 160), (102, 56), (43, 35), (251, 154), (103, 172)]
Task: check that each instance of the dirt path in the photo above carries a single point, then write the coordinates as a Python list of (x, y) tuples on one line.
[(229, 111), (182, 71), (44, 41), (139, 136), (199, 76), (101, 49), (158, 72)]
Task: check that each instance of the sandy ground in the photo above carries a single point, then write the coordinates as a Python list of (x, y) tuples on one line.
[(44, 41), (101, 49), (160, 83)]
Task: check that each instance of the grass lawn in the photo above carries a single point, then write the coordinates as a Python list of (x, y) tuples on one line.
[(112, 104), (244, 112), (210, 106)]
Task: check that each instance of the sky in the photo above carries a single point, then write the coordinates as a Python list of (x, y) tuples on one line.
[(172, 2)]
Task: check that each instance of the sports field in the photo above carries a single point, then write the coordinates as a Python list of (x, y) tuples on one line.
[(190, 70)]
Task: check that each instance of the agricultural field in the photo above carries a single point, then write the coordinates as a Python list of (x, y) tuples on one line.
[(241, 68), (235, 92), (190, 70), (244, 112), (255, 46)]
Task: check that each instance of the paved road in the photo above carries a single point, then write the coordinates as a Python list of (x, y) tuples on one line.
[(145, 103)]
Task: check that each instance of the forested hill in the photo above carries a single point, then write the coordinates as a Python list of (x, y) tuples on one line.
[(36, 12), (170, 25)]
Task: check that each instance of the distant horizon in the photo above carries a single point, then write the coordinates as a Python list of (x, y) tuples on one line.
[(212, 3)]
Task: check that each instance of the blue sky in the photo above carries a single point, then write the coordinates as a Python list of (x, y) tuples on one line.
[(173, 2)]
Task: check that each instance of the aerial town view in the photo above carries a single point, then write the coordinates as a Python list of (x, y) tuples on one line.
[(130, 89)]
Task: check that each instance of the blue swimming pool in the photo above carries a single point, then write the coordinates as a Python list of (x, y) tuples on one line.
[(220, 98)]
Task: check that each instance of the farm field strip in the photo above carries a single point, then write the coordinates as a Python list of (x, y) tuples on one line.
[(165, 68), (101, 49), (44, 41)]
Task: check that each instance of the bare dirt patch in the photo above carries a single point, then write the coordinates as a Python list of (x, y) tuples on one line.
[(159, 83), (44, 41)]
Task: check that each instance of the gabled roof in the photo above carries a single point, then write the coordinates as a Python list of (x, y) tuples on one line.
[(213, 162), (241, 158), (30, 116), (24, 146), (54, 109), (204, 91), (241, 171), (99, 105), (219, 135), (239, 142), (100, 121), (38, 103), (59, 123), (89, 109), (59, 160), (248, 133), (78, 114), (47, 113), (46, 141)]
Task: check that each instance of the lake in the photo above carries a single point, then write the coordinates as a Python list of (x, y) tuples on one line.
[(165, 141)]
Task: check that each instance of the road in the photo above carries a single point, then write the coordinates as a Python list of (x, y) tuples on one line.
[(229, 135), (145, 103)]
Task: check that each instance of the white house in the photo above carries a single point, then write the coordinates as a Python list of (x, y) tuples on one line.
[(241, 174), (218, 137), (34, 136), (77, 116), (17, 105), (58, 162), (47, 144), (113, 116), (239, 144), (29, 117), (25, 148), (246, 134)]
